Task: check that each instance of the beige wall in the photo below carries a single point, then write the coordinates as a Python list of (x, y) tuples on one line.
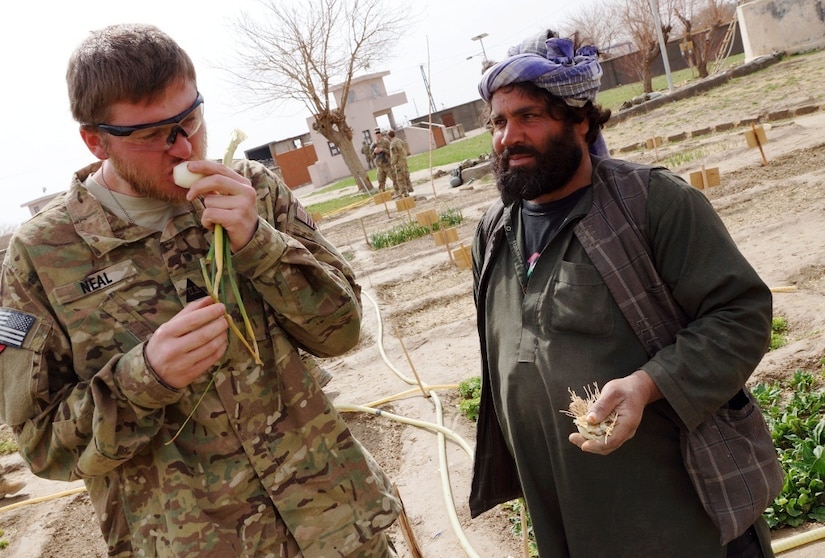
[(368, 101), (781, 25)]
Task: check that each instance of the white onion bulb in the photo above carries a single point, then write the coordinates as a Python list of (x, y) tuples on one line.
[(183, 177)]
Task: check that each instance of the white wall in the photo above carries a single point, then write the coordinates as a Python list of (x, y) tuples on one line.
[(781, 25)]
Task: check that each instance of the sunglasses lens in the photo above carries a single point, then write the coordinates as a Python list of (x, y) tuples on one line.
[(161, 137)]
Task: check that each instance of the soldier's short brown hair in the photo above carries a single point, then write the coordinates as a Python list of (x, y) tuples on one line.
[(126, 62)]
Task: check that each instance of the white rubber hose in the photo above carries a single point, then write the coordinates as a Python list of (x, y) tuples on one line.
[(783, 545), (439, 428)]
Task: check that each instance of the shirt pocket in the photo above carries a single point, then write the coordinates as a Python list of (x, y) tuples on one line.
[(112, 313), (577, 302)]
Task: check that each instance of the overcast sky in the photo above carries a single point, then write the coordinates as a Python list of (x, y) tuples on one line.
[(41, 147)]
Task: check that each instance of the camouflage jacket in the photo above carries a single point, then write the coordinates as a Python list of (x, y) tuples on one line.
[(88, 289), (382, 158), (398, 152)]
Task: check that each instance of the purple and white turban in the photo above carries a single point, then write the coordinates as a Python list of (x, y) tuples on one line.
[(551, 64)]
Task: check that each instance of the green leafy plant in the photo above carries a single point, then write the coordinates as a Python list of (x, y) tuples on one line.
[(8, 444), (688, 156), (411, 230), (516, 508), (779, 330), (797, 424), (470, 392)]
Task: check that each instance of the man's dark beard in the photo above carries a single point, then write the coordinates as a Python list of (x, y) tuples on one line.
[(554, 168)]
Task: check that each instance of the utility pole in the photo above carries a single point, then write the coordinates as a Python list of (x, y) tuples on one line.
[(654, 7), (427, 87), (480, 39)]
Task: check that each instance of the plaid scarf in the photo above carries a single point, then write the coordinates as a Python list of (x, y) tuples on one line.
[(551, 64)]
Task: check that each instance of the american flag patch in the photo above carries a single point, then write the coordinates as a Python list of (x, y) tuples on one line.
[(304, 217), (14, 326)]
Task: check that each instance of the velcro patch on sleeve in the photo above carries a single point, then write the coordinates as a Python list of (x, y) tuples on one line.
[(304, 217)]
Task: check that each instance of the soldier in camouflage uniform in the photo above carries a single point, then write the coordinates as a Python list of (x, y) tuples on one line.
[(398, 159), (381, 156), (112, 341), (366, 150)]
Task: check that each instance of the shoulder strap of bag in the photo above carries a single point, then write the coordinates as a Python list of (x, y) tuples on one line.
[(491, 228), (614, 235)]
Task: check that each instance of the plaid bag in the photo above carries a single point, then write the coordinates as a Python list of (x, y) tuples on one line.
[(730, 457), (733, 465)]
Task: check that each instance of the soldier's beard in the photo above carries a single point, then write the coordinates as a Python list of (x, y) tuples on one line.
[(555, 165), (147, 185)]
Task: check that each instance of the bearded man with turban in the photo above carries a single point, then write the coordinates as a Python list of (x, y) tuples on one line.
[(572, 227)]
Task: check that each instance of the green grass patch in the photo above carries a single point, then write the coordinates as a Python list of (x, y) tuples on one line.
[(334, 204), (454, 152), (614, 97), (411, 230)]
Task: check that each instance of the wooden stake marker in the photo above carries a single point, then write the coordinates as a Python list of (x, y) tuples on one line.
[(654, 143), (427, 218), (383, 197), (405, 204), (363, 228), (462, 257), (444, 237), (705, 178), (756, 138)]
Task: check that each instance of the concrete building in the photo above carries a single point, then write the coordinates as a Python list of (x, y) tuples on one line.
[(290, 158), (789, 26), (367, 101), (312, 158)]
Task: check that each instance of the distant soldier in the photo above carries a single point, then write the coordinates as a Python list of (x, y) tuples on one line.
[(398, 159), (367, 152), (381, 153)]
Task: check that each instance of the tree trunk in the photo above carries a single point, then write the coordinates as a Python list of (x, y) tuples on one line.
[(333, 126), (647, 79), (701, 49), (647, 70)]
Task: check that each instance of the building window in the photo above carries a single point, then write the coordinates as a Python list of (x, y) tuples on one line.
[(333, 149)]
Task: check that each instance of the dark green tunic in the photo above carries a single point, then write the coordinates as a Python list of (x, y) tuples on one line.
[(561, 329)]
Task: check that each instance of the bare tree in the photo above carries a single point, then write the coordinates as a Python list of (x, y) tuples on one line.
[(699, 18), (596, 24), (637, 17), (303, 51)]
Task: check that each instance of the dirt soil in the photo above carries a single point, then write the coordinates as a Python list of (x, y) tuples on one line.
[(419, 314)]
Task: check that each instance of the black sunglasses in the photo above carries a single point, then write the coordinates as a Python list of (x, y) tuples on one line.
[(122, 131)]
